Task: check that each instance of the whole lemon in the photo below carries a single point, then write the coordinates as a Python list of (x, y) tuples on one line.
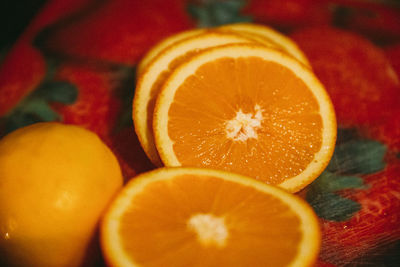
[(55, 182)]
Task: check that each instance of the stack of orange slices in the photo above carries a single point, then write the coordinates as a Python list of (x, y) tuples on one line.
[(240, 122), (240, 98)]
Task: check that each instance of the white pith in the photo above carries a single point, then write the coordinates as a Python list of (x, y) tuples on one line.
[(244, 125), (210, 229)]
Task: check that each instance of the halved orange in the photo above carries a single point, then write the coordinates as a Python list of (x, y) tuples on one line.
[(200, 217), (154, 75), (163, 44), (264, 33), (248, 109)]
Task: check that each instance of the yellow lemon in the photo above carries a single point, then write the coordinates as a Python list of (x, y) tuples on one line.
[(55, 182)]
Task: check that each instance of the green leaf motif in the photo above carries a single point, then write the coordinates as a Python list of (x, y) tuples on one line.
[(41, 109), (358, 157), (211, 13), (353, 157), (331, 206), (331, 182), (58, 91), (17, 120), (126, 77), (36, 106), (32, 111), (345, 135)]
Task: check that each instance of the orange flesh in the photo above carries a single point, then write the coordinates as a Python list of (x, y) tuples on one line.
[(290, 131), (155, 232), (156, 87)]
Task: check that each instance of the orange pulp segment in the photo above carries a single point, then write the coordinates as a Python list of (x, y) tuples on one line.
[(200, 217), (248, 109), (154, 75)]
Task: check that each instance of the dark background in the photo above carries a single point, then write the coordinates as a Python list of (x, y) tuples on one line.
[(15, 15)]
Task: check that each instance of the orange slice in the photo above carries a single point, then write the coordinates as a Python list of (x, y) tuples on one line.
[(163, 44), (247, 109), (263, 33), (154, 75), (201, 217)]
